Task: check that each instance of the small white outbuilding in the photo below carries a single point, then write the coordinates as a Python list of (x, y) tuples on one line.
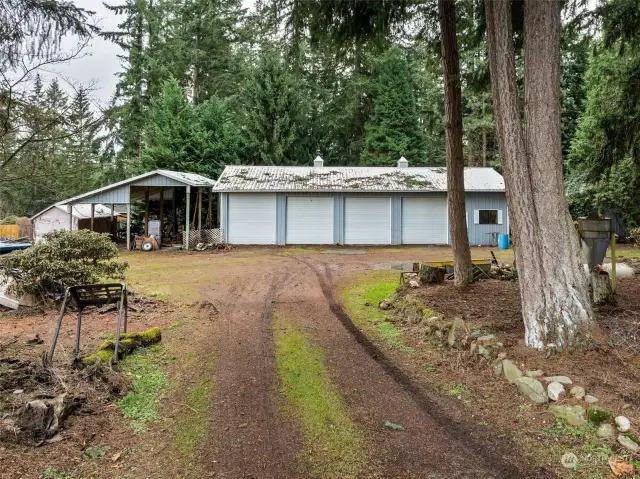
[(56, 217)]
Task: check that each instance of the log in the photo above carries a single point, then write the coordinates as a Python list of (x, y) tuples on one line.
[(129, 342)]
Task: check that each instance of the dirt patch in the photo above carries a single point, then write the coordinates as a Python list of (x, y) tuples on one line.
[(438, 440), (491, 306)]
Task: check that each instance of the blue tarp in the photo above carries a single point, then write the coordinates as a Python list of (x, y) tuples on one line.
[(9, 247)]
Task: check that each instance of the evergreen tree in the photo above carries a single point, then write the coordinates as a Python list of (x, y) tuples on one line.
[(183, 137), (204, 37), (393, 130), (275, 116)]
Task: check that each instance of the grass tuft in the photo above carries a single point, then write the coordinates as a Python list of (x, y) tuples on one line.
[(141, 404), (192, 425), (333, 445), (361, 302)]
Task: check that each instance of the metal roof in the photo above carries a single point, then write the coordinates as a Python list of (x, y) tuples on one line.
[(348, 178), (80, 211), (186, 179)]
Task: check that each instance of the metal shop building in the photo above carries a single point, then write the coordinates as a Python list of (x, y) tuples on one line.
[(355, 205)]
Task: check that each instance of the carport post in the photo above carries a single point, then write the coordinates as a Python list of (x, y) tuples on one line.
[(210, 212), (186, 217), (93, 213), (128, 226), (112, 229), (70, 217), (200, 209), (161, 208), (146, 212)]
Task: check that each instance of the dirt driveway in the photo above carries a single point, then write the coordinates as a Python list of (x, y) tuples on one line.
[(251, 436)]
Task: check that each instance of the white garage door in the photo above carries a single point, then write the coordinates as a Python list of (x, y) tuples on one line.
[(367, 220), (309, 220), (252, 218), (424, 220)]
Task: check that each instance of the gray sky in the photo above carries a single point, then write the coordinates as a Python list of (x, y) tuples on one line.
[(100, 65)]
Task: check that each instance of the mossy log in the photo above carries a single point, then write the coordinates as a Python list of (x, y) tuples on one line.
[(128, 343)]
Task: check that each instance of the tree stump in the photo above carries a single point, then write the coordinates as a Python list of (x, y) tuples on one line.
[(601, 288), (431, 274)]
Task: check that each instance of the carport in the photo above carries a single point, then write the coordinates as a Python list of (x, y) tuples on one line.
[(161, 184)]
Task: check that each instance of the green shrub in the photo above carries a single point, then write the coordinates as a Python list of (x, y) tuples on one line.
[(66, 258), (9, 220)]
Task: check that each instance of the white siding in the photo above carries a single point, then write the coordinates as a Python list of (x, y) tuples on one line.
[(309, 220), (52, 220), (424, 220), (367, 220), (252, 218)]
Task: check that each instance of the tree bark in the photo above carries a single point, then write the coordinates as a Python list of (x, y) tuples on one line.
[(453, 143), (553, 285)]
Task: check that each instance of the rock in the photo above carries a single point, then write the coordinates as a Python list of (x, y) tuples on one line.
[(414, 284), (622, 270), (558, 379), (598, 415), (384, 305), (510, 370), (532, 388), (569, 460), (555, 390), (622, 423), (18, 391), (572, 415), (502, 356), (628, 444), (484, 352), (497, 369), (576, 392), (534, 373), (605, 431), (589, 399)]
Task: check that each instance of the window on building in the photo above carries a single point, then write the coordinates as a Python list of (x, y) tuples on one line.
[(488, 217)]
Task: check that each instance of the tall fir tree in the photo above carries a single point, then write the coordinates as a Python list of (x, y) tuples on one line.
[(393, 130), (185, 137), (275, 115)]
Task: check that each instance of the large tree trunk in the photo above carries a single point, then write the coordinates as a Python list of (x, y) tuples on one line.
[(453, 142), (553, 284)]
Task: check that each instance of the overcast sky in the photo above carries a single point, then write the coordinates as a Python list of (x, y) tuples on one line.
[(101, 63)]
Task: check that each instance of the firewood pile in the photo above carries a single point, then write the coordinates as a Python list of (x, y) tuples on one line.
[(505, 272)]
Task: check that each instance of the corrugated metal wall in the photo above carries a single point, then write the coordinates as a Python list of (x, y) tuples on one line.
[(478, 234), (481, 234)]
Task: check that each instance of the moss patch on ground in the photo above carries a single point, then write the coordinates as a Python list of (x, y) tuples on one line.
[(192, 424), (361, 303), (333, 446), (150, 383)]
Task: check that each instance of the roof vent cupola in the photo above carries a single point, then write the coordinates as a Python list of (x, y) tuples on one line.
[(403, 163), (318, 162)]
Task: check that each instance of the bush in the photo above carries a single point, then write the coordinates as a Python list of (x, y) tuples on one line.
[(66, 258), (9, 220), (634, 236)]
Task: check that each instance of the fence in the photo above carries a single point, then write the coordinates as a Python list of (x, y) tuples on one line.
[(213, 236), (9, 231)]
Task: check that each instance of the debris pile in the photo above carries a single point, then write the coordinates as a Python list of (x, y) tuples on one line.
[(213, 246), (504, 271)]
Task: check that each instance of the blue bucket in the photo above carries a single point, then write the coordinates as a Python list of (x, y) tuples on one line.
[(503, 241)]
